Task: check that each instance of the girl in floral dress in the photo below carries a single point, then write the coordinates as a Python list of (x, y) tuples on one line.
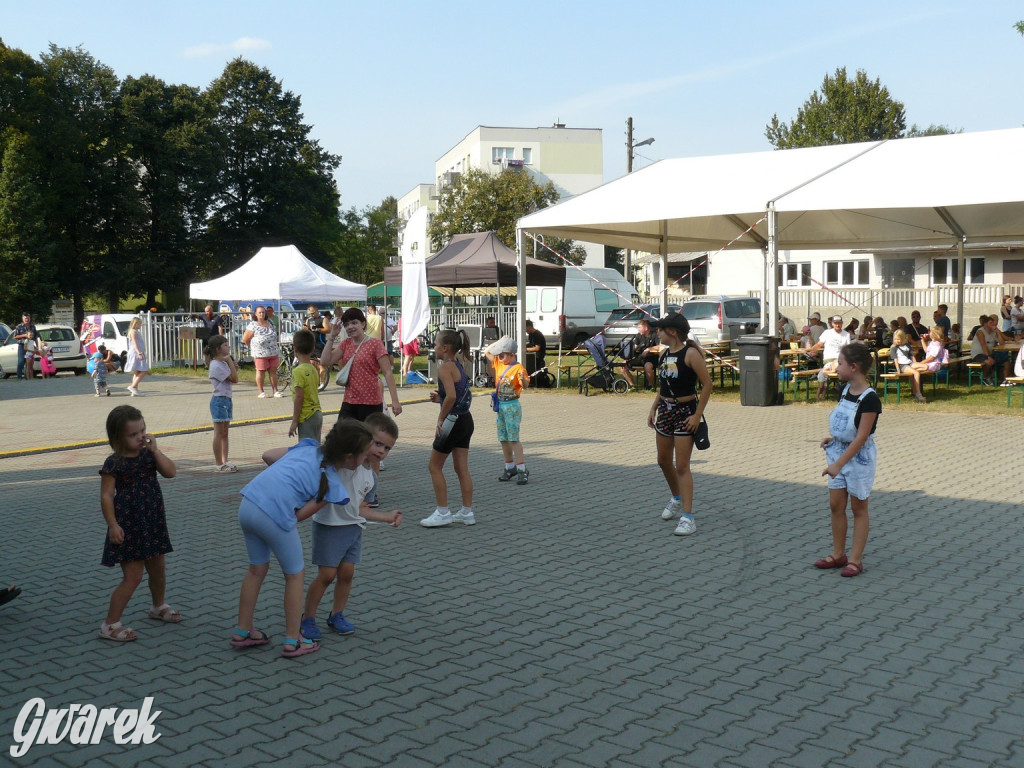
[(133, 507)]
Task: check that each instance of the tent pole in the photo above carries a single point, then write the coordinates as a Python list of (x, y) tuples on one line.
[(770, 308), (663, 251), (520, 297), (960, 279)]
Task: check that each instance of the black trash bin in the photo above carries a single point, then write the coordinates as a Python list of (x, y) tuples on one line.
[(759, 376)]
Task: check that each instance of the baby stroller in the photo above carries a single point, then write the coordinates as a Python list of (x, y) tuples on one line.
[(603, 375)]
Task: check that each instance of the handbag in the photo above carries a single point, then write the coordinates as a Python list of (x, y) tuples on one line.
[(700, 437), (342, 378)]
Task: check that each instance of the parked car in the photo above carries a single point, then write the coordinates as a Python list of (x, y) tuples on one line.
[(5, 332), (721, 318), (68, 354), (621, 323)]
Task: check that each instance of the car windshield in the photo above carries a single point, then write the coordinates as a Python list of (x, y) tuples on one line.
[(56, 334), (122, 326), (623, 313), (742, 308)]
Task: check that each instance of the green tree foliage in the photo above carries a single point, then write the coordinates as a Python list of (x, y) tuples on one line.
[(844, 112), (27, 284), (274, 184), (482, 202), (915, 131), (368, 242)]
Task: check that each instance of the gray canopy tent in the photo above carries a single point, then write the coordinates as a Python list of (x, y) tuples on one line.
[(906, 192)]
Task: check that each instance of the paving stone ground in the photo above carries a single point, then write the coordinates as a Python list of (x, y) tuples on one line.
[(568, 627)]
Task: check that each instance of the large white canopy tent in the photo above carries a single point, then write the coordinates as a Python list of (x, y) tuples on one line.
[(936, 190), (279, 273)]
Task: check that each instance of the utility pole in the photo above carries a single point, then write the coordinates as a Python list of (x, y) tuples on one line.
[(627, 259)]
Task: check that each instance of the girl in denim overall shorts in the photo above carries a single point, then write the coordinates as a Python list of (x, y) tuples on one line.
[(852, 458)]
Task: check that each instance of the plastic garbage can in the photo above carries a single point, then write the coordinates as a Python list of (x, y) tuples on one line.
[(759, 369)]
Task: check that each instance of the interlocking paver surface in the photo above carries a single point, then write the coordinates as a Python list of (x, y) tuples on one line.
[(568, 627)]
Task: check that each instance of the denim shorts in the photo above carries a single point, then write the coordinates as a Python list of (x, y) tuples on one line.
[(263, 536), (336, 544), (220, 408)]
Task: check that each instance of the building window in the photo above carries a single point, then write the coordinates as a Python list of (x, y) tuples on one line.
[(852, 273), (795, 275), (527, 156), (502, 153), (946, 271)]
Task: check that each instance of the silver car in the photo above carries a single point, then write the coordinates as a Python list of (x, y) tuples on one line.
[(722, 318), (621, 323)]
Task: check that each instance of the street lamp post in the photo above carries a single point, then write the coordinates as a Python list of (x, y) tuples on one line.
[(630, 146)]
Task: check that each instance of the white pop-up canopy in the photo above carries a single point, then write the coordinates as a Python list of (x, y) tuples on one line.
[(936, 190), (279, 273)]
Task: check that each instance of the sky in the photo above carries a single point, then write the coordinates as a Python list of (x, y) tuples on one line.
[(392, 86)]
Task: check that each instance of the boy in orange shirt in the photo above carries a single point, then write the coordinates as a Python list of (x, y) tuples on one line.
[(510, 377)]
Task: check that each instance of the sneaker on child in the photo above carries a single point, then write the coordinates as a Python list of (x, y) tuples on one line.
[(673, 508), (508, 474), (340, 624), (686, 526), (522, 476), (464, 516), (309, 629)]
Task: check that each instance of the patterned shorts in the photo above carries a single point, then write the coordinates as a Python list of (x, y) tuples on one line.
[(671, 418)]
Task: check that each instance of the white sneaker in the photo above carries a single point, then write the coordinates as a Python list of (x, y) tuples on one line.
[(437, 520), (466, 518), (686, 526), (673, 508), (262, 394), (279, 394)]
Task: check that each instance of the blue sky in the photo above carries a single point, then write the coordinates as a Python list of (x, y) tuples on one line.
[(391, 86)]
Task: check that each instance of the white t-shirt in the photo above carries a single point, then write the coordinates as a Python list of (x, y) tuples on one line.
[(990, 339), (833, 343), (359, 481), (1017, 316)]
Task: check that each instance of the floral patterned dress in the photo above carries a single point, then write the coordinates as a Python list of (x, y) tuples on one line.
[(138, 509)]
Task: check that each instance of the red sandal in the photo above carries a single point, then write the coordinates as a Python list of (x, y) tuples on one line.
[(853, 569), (831, 562)]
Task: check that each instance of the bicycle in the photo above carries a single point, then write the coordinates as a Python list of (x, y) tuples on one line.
[(285, 366)]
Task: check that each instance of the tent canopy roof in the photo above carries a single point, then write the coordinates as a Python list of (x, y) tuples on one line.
[(921, 191), (480, 258), (279, 273)]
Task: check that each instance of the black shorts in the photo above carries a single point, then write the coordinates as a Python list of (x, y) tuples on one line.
[(459, 437), (358, 411)]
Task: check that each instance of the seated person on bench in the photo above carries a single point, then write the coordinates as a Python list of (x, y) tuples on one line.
[(644, 353)]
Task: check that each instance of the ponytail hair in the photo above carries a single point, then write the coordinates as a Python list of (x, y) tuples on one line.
[(458, 341), (346, 437), (212, 345)]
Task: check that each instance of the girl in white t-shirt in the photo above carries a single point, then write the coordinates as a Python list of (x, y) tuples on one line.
[(223, 373)]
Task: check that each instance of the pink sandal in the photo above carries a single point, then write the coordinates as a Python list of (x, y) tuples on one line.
[(165, 614), (243, 638), (301, 647)]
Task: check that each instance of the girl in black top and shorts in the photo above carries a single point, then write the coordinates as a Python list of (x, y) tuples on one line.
[(676, 414)]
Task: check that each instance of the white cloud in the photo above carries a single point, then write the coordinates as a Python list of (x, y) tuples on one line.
[(239, 46)]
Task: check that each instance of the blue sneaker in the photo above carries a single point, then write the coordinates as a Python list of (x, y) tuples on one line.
[(339, 624), (309, 629)]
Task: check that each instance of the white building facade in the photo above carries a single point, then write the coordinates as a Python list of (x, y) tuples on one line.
[(570, 158)]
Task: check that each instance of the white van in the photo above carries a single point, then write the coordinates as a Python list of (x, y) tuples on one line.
[(108, 330), (579, 310)]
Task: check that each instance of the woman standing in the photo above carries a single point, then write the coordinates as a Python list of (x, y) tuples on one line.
[(136, 364), (676, 413), (261, 338), (369, 358)]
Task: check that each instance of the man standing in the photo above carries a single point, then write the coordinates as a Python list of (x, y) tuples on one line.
[(536, 350), (23, 332), (942, 320), (374, 323), (212, 322)]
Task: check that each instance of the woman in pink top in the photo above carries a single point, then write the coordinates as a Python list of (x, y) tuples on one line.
[(363, 394)]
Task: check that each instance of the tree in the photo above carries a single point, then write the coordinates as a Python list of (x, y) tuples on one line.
[(368, 241), (482, 202), (275, 184), (914, 131), (844, 112), (25, 248)]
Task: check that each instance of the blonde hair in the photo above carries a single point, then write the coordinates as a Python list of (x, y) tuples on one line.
[(135, 323), (899, 337), (937, 333)]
